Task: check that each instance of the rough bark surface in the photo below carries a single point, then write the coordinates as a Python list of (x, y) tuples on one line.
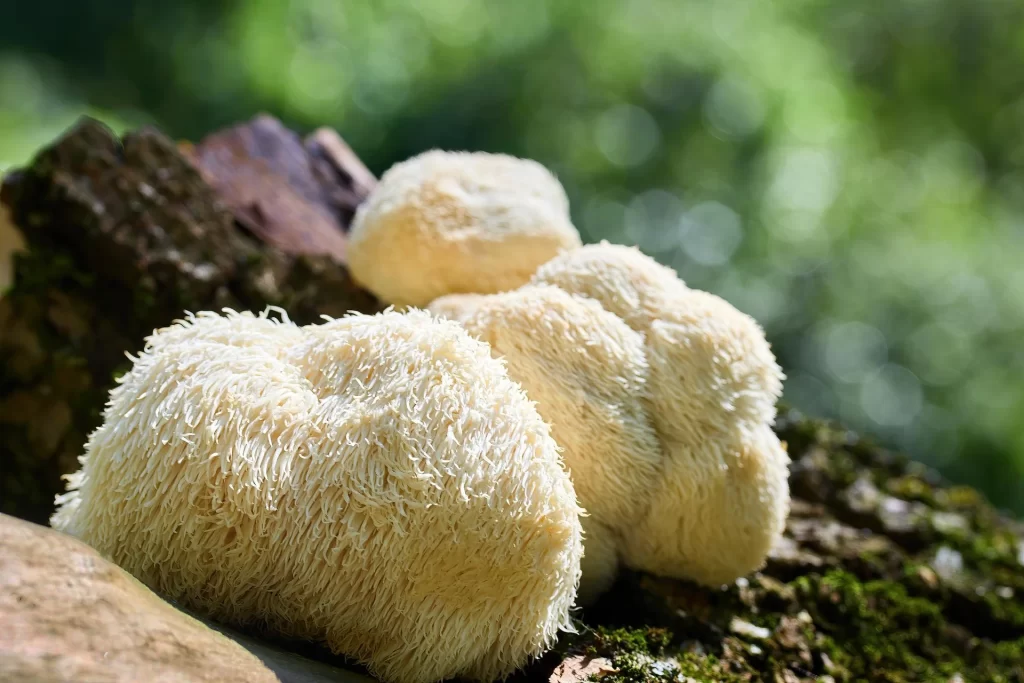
[(10, 243), (885, 572), (124, 236)]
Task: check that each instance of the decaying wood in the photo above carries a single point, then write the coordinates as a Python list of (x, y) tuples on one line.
[(885, 573), (306, 214), (11, 242), (124, 236)]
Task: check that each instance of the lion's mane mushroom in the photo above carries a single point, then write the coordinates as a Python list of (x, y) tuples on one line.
[(662, 398), (585, 368), (375, 482), (450, 222)]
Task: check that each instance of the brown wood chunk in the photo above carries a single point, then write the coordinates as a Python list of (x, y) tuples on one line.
[(299, 196)]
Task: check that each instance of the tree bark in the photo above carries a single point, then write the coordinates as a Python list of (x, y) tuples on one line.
[(885, 572), (124, 236)]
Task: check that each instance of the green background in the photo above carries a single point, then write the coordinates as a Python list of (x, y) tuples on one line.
[(849, 173)]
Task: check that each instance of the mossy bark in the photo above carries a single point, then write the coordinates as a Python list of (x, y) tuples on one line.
[(123, 237), (885, 572)]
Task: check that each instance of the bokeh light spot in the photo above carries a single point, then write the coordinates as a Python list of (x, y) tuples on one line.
[(627, 135)]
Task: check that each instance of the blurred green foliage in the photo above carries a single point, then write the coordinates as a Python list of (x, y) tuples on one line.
[(851, 174)]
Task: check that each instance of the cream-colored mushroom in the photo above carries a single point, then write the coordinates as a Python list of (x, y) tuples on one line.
[(586, 370), (457, 307), (374, 482), (662, 398), (458, 222)]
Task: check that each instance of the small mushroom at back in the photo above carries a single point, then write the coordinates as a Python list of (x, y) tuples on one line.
[(448, 222)]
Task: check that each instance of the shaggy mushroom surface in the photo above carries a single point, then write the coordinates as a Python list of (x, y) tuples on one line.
[(374, 482), (663, 399), (448, 222)]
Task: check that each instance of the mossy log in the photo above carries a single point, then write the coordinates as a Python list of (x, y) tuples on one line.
[(885, 572)]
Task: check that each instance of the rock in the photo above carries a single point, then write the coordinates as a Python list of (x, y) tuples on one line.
[(67, 614), (290, 667)]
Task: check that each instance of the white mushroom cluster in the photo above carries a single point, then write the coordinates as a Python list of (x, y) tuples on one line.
[(374, 482), (416, 489), (662, 397)]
